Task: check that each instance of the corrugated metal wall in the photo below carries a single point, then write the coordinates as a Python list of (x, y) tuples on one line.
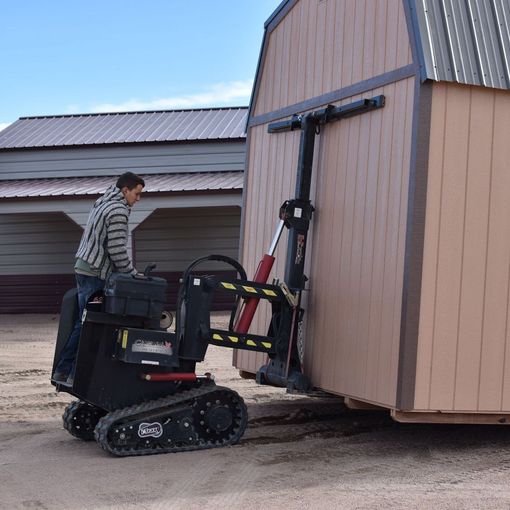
[(36, 261), (173, 238), (326, 45), (43, 243), (37, 252), (463, 361), (145, 159)]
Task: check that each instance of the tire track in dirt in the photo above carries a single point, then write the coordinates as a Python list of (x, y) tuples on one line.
[(298, 452)]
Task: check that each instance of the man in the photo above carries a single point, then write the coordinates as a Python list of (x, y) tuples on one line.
[(103, 249)]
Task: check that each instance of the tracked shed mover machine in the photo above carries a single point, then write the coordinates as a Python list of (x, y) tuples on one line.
[(136, 382)]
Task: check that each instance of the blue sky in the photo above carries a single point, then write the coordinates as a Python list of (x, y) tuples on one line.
[(65, 56)]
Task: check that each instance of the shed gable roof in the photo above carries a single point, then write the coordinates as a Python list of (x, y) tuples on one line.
[(128, 127), (464, 41)]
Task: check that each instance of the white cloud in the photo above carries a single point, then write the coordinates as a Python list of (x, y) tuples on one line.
[(3, 125), (73, 108), (220, 94)]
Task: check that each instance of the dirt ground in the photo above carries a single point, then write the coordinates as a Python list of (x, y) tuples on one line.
[(297, 452)]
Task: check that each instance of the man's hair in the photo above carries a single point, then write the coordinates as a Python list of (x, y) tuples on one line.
[(130, 180)]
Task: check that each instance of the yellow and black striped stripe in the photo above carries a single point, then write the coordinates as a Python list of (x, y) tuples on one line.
[(239, 341), (261, 291)]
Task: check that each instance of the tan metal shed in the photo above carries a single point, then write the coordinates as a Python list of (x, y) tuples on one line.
[(409, 254)]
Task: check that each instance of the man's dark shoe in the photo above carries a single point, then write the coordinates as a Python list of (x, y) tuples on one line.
[(60, 377)]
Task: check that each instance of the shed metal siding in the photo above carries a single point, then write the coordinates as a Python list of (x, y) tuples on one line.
[(42, 243), (34, 293), (107, 161), (463, 361), (465, 41), (173, 238), (128, 127), (38, 252), (319, 47)]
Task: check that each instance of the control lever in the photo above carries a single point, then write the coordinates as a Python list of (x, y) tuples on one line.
[(149, 268)]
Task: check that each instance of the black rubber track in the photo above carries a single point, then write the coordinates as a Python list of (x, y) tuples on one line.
[(80, 419), (192, 397)]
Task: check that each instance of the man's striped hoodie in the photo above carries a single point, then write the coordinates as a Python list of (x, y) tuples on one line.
[(104, 243)]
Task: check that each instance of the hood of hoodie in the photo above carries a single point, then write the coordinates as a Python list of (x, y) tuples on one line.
[(112, 194)]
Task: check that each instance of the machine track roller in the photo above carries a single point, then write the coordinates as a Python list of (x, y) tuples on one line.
[(80, 419), (209, 416)]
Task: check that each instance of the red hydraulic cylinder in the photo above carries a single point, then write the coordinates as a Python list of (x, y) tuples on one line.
[(261, 276), (250, 304)]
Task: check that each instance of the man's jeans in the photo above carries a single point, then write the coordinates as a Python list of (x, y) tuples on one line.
[(87, 285)]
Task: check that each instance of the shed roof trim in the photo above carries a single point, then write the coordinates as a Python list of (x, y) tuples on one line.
[(128, 127), (84, 186)]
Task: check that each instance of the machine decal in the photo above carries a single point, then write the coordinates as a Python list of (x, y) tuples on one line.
[(300, 251), (150, 429), (150, 346)]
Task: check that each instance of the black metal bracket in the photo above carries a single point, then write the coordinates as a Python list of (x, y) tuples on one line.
[(297, 213), (328, 114), (286, 125)]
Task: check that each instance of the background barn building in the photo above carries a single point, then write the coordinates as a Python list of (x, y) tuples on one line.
[(409, 255), (53, 168)]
